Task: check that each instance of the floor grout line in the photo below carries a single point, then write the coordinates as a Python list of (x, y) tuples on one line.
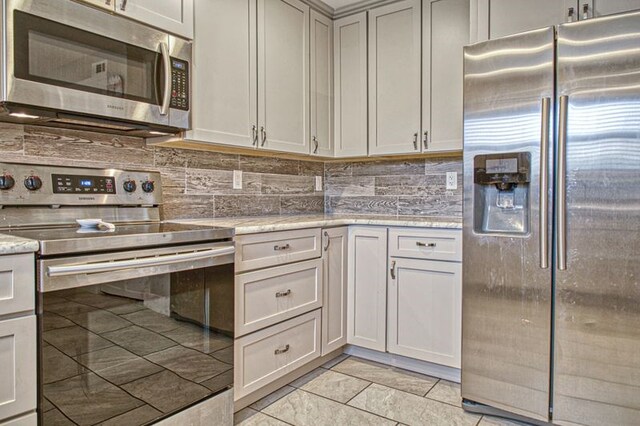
[(351, 399)]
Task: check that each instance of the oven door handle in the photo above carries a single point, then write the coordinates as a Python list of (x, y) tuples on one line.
[(166, 64), (118, 265)]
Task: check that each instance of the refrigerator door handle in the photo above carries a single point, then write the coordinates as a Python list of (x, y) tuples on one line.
[(544, 183), (561, 190)]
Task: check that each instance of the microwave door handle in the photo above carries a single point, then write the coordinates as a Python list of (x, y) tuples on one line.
[(166, 64), (118, 265)]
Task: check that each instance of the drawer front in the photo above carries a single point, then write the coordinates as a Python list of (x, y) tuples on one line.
[(17, 283), (276, 248), (18, 385), (269, 354), (432, 244), (268, 296)]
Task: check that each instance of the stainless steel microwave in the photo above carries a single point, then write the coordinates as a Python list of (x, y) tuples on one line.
[(68, 64)]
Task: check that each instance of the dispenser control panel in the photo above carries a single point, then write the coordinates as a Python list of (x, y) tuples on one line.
[(502, 170)]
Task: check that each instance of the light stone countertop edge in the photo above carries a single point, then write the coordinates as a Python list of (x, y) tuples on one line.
[(10, 244), (259, 224)]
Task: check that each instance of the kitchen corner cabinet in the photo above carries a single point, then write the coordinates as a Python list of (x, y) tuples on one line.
[(321, 107), (424, 310), (350, 85), (225, 101), (283, 75), (394, 78), (174, 16), (445, 32), (335, 273), (597, 8), (367, 287)]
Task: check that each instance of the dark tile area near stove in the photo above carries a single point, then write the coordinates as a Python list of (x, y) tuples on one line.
[(112, 361)]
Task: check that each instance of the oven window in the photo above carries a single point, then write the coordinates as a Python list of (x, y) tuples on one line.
[(60, 55), (131, 352)]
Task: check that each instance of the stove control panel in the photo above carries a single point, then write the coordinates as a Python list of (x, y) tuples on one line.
[(30, 184)]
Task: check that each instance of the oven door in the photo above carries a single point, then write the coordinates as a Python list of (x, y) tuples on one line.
[(68, 57), (108, 354)]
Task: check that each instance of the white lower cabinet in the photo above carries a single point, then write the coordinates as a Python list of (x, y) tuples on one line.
[(367, 287), (424, 310), (334, 306), (268, 354)]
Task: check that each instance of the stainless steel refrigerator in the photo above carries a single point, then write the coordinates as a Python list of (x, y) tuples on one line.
[(551, 271)]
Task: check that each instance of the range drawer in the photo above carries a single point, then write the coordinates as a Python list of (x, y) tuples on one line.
[(433, 244), (17, 283), (276, 248), (269, 354), (268, 296)]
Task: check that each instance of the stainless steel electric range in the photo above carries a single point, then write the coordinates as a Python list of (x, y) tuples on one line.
[(136, 322)]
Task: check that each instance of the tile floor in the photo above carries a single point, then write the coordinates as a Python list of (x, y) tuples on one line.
[(354, 391)]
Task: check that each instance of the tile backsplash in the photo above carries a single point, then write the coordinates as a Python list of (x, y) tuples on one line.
[(199, 183)]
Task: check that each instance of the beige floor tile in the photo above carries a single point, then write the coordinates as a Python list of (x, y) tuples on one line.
[(336, 386), (263, 403), (251, 417), (498, 421), (447, 392), (411, 409), (396, 378), (302, 408)]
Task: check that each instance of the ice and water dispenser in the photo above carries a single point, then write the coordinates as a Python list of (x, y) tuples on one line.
[(501, 193)]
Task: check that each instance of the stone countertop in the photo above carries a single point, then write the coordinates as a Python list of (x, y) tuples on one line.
[(10, 244), (254, 225)]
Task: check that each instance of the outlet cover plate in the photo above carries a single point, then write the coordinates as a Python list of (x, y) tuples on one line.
[(237, 179), (452, 180), (318, 183)]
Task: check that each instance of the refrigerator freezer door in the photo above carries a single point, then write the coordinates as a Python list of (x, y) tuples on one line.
[(597, 315), (508, 90)]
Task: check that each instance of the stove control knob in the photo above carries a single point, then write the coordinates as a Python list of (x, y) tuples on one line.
[(129, 185), (33, 183), (147, 186), (6, 181)]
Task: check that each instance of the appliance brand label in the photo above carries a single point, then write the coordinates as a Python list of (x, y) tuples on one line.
[(119, 108)]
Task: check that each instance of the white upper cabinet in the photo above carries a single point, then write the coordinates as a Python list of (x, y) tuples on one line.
[(224, 73), (497, 18), (595, 8), (174, 16), (104, 4), (394, 78), (321, 49), (350, 86), (283, 75), (445, 32)]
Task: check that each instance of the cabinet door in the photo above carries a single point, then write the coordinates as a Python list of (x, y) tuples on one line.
[(224, 73), (174, 16), (350, 89), (425, 305), (367, 287), (334, 307), (104, 4), (595, 8), (497, 18), (283, 75), (445, 31), (321, 84), (394, 78)]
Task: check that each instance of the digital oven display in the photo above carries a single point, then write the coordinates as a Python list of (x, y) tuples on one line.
[(86, 183), (74, 184)]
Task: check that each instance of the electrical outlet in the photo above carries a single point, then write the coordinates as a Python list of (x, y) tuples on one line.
[(452, 180), (318, 183), (237, 179)]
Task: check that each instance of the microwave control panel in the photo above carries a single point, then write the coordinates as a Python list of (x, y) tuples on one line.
[(179, 84)]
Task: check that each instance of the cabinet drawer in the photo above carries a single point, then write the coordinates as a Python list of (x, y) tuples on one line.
[(268, 296), (276, 248), (434, 244), (18, 385), (269, 354), (17, 284)]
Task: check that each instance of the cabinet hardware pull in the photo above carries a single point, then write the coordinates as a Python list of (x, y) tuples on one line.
[(393, 270), (326, 235), (421, 244), (107, 2), (283, 293), (284, 247), (426, 140), (570, 14), (123, 5), (254, 135), (264, 135), (585, 11), (281, 351), (415, 141), (315, 142)]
